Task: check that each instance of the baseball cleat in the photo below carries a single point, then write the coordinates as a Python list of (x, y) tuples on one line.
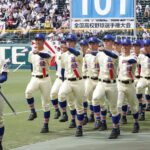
[(136, 128), (44, 130), (114, 134), (85, 120), (72, 124), (32, 116), (97, 124), (103, 127), (148, 107), (64, 118), (91, 118), (57, 114), (124, 120), (79, 132), (142, 117)]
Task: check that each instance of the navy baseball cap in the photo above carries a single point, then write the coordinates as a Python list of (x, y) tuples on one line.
[(117, 41), (137, 43), (71, 37), (93, 40), (108, 37), (40, 36), (83, 42), (146, 42), (126, 41)]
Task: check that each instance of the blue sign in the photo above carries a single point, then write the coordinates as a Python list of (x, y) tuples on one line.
[(102, 9)]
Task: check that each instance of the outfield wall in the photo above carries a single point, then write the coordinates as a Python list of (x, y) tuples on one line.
[(15, 54)]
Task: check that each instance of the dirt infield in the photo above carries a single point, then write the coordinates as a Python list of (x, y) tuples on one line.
[(94, 141)]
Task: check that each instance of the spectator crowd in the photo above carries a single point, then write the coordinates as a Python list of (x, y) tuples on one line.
[(26, 15)]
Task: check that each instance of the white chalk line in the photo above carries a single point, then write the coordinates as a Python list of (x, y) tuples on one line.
[(26, 111), (20, 112)]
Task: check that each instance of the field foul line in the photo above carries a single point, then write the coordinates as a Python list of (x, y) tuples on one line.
[(20, 112)]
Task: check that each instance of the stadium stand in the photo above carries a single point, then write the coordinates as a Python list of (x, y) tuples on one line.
[(23, 17)]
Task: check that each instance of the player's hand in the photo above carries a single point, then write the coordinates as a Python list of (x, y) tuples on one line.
[(101, 48), (35, 52)]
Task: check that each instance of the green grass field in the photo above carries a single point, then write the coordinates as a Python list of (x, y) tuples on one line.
[(19, 131)]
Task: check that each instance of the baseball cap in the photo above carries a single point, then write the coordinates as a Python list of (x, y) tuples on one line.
[(40, 36), (117, 41), (93, 40), (83, 42), (108, 37), (71, 37), (126, 41), (146, 42), (137, 43)]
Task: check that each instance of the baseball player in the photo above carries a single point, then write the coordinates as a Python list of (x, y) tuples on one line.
[(144, 81), (91, 69), (40, 80), (142, 105), (107, 87), (72, 63), (3, 78), (126, 86), (84, 48), (58, 81), (118, 47), (55, 89)]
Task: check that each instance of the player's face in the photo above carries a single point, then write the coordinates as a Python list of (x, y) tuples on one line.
[(108, 43), (147, 49), (83, 48), (71, 44), (137, 49), (39, 43), (101, 48), (93, 46), (126, 49), (63, 47), (117, 47)]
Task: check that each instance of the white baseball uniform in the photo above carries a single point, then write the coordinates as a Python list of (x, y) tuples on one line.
[(91, 70), (126, 85), (72, 85), (144, 81), (106, 87), (58, 82), (40, 79)]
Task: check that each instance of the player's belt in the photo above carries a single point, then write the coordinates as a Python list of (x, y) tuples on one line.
[(148, 78), (85, 77), (108, 81), (61, 78), (40, 76), (138, 77), (126, 81), (93, 78), (73, 79)]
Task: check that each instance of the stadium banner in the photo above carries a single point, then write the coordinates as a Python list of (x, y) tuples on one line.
[(102, 14), (16, 55)]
